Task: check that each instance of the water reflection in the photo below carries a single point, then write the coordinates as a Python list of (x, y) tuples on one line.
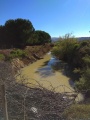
[(49, 67), (50, 72), (45, 71)]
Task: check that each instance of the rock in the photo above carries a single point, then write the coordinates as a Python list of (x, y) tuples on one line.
[(33, 109)]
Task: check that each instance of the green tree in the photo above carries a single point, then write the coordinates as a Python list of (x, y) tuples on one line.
[(43, 37), (39, 37), (2, 37), (17, 32), (20, 32), (65, 48), (77, 54)]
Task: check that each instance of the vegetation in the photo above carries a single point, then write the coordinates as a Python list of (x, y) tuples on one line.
[(78, 112), (77, 55), (64, 48), (17, 54), (39, 37), (2, 57), (19, 33)]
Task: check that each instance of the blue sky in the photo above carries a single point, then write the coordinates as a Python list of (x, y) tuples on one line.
[(57, 17)]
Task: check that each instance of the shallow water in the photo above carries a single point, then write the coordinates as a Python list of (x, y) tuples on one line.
[(45, 73)]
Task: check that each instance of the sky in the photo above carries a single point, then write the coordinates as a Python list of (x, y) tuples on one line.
[(57, 17)]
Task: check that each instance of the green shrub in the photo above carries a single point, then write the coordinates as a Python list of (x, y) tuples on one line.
[(65, 48), (2, 57), (77, 112), (17, 53), (84, 81)]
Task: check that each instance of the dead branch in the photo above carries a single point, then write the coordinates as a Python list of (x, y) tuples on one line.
[(33, 103)]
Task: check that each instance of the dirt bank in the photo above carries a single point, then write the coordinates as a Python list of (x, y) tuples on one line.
[(33, 53)]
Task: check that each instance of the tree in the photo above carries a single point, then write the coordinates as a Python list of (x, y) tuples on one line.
[(20, 32), (17, 32), (65, 48), (2, 36), (77, 55), (39, 37), (43, 37)]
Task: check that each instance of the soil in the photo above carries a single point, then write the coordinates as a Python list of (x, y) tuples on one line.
[(34, 53)]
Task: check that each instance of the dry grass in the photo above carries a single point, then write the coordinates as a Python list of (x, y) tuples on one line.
[(78, 112)]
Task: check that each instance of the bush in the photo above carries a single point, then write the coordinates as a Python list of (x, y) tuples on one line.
[(17, 53), (65, 48), (84, 82), (2, 57), (77, 55), (78, 112)]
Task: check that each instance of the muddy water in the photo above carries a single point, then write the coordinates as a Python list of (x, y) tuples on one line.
[(43, 72)]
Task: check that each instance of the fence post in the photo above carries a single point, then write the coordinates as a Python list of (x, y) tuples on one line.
[(4, 102)]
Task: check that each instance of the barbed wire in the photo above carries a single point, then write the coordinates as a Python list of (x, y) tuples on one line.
[(29, 101), (23, 101)]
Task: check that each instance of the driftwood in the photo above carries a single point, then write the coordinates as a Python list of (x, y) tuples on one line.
[(37, 57)]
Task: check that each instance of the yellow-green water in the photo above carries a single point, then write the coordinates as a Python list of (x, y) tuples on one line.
[(41, 72)]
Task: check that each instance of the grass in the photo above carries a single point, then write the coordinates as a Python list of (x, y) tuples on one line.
[(2, 57), (78, 112)]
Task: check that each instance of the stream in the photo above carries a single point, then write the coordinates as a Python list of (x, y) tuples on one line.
[(48, 74)]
